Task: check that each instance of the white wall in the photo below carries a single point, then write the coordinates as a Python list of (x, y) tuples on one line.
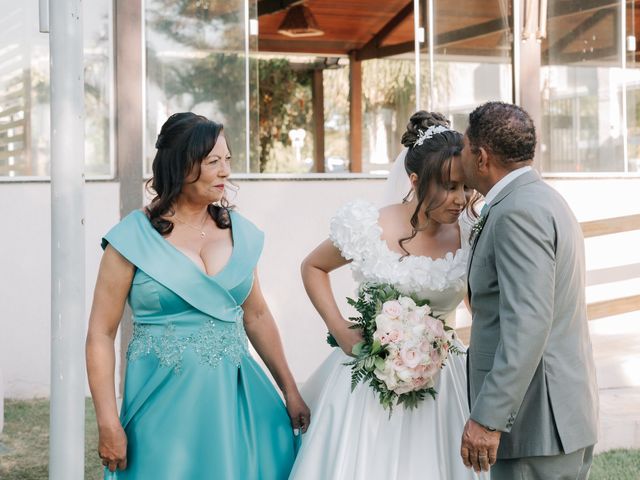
[(295, 217), (25, 275)]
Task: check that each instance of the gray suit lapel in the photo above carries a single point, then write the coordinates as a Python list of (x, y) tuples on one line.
[(524, 179)]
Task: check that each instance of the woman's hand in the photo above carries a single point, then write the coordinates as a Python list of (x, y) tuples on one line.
[(112, 447), (298, 412), (347, 337)]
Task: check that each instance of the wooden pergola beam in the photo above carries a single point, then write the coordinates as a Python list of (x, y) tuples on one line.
[(266, 7), (318, 120), (579, 29), (471, 32), (386, 51), (563, 9), (355, 114), (371, 48)]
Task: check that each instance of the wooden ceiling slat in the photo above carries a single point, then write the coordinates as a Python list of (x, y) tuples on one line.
[(353, 24)]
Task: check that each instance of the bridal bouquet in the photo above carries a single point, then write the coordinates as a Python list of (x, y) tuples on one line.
[(404, 346)]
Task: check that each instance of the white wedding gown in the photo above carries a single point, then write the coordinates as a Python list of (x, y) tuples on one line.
[(351, 436)]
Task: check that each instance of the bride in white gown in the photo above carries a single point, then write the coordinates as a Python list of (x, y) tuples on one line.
[(420, 246)]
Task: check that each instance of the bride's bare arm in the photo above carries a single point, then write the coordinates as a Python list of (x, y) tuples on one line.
[(315, 271)]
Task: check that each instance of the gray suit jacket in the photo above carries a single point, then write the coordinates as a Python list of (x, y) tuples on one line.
[(531, 370)]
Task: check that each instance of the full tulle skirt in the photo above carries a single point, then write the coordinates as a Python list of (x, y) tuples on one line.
[(352, 437)]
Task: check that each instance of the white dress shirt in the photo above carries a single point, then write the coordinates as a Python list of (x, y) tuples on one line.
[(506, 180)]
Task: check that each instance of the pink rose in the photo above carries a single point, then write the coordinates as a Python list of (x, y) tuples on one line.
[(425, 346), (394, 336), (410, 356), (414, 319), (419, 383), (421, 369), (436, 327)]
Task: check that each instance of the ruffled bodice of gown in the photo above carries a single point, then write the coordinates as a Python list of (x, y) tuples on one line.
[(356, 233), (351, 436)]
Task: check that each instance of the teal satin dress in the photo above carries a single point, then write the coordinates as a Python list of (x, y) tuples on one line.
[(196, 406)]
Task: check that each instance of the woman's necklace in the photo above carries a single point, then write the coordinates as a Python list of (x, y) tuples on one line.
[(199, 229)]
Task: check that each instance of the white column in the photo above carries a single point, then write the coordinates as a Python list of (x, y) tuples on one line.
[(416, 39), (66, 444), (1, 402)]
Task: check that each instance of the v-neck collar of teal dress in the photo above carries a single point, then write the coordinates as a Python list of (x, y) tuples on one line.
[(179, 254), (136, 239)]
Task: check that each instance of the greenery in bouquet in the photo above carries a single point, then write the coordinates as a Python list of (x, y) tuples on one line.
[(404, 346)]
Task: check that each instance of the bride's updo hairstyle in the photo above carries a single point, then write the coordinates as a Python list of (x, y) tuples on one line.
[(184, 142), (430, 159)]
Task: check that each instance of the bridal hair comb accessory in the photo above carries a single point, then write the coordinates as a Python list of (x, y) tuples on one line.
[(430, 132)]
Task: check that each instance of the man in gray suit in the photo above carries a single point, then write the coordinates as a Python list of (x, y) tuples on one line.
[(532, 388)]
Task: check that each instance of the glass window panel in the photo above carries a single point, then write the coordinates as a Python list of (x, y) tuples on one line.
[(632, 84), (195, 61), (472, 58), (336, 118), (285, 114), (24, 87), (388, 90), (582, 100)]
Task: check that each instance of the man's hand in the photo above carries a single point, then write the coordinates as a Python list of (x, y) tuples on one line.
[(479, 446)]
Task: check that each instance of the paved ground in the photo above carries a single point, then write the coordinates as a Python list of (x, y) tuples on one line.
[(616, 345)]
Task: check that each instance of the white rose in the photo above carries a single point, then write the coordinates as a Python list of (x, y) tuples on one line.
[(392, 308), (412, 318), (407, 303), (384, 323), (404, 388), (404, 374), (411, 355), (418, 330), (422, 311), (387, 376)]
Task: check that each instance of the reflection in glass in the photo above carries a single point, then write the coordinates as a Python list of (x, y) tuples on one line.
[(632, 82), (472, 58), (336, 119), (388, 90), (24, 91), (285, 114), (582, 81), (195, 62)]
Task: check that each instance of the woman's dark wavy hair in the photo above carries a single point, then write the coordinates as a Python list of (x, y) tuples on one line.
[(431, 162), (184, 141)]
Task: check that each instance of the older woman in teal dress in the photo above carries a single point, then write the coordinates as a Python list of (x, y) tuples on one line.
[(196, 406)]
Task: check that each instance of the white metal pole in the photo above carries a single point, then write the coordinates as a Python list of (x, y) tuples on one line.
[(247, 87), (416, 36), (516, 44), (623, 66), (66, 443), (432, 52)]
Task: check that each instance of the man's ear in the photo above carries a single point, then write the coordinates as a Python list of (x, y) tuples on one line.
[(483, 160)]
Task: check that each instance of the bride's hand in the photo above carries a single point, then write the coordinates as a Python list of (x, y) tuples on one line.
[(298, 412), (347, 337)]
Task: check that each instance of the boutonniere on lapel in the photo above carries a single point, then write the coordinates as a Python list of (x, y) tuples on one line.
[(479, 225)]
